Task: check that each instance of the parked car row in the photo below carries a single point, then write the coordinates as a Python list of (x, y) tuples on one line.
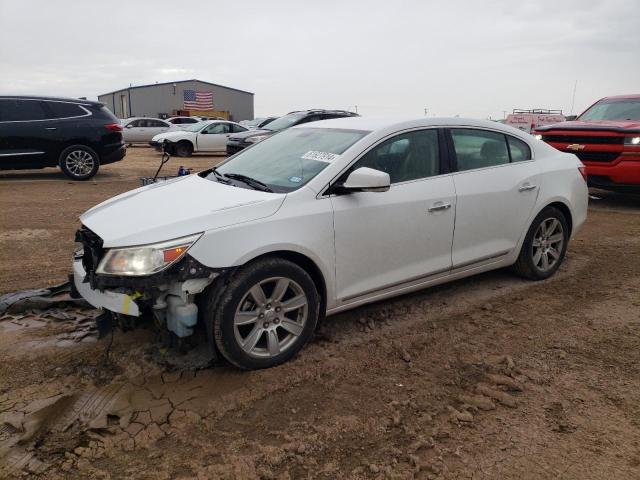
[(79, 135), (229, 137)]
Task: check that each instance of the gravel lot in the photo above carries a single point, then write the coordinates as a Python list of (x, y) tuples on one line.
[(488, 377)]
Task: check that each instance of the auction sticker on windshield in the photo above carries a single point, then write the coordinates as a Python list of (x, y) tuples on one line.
[(320, 156)]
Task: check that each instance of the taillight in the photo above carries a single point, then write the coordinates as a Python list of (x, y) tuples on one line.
[(114, 127), (583, 171)]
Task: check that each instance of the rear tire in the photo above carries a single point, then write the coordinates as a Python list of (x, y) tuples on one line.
[(265, 315), (184, 149), (545, 245), (79, 162)]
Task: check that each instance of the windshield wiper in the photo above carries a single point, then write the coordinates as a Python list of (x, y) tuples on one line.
[(219, 176), (252, 182)]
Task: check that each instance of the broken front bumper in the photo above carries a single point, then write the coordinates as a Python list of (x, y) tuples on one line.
[(109, 300)]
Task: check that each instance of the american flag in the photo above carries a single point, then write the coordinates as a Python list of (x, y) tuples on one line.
[(194, 100)]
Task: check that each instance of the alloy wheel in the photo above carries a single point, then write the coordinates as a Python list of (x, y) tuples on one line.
[(548, 243), (79, 163), (270, 317)]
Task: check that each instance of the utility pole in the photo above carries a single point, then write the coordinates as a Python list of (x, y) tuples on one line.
[(425, 111), (356, 107), (573, 98)]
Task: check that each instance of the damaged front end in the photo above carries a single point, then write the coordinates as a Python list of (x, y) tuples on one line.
[(159, 279)]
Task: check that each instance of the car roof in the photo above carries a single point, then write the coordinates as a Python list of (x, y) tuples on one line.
[(621, 97), (312, 111), (395, 124), (80, 101), (142, 118)]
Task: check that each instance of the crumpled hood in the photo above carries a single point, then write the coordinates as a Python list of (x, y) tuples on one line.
[(623, 126), (176, 208), (174, 135)]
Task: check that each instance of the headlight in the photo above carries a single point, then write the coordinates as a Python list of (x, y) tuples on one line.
[(255, 138), (145, 259), (635, 141), (537, 136)]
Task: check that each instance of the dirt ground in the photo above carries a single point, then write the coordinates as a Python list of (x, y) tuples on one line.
[(490, 377)]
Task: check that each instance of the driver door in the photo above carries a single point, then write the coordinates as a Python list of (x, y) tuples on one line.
[(213, 138), (386, 239)]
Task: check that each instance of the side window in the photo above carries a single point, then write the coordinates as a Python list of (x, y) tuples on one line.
[(189, 120), (65, 110), (479, 148), (12, 110), (405, 157), (217, 128), (519, 150), (137, 123), (238, 128)]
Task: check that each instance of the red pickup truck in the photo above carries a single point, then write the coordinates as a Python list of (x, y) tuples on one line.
[(606, 138)]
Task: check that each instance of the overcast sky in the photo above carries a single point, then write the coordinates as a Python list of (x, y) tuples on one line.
[(471, 58)]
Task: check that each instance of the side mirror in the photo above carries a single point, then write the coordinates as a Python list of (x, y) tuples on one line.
[(366, 179)]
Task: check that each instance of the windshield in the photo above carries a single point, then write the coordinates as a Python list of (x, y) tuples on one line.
[(195, 127), (290, 159), (286, 121), (625, 109)]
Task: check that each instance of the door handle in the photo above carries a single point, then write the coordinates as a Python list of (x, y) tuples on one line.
[(439, 206), (526, 187), (50, 128)]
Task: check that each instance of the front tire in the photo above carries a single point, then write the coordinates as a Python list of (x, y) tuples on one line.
[(545, 245), (184, 149), (79, 162), (265, 315)]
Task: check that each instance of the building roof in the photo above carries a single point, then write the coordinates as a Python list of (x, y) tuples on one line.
[(176, 82)]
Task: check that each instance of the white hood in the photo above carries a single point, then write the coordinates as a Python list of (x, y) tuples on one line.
[(174, 136), (176, 208)]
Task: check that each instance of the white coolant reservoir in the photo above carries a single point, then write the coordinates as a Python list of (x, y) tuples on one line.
[(181, 316)]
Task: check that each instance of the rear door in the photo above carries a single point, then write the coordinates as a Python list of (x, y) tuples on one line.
[(157, 126), (132, 131), (497, 184), (27, 134)]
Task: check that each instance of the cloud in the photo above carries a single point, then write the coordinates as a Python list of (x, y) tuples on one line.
[(458, 57)]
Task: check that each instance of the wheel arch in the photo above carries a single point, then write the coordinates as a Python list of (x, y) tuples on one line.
[(308, 265), (562, 205), (566, 211)]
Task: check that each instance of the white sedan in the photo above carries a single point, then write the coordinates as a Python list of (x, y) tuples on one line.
[(142, 130), (208, 136), (325, 217)]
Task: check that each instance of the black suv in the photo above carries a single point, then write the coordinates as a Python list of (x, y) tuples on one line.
[(245, 139), (76, 135)]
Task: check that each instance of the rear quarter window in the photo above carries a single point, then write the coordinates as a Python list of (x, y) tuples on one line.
[(65, 110), (519, 150)]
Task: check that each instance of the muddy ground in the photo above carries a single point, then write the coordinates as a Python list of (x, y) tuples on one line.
[(488, 377)]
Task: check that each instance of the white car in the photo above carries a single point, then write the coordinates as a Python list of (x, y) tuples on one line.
[(324, 217), (209, 136), (183, 122), (142, 130)]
